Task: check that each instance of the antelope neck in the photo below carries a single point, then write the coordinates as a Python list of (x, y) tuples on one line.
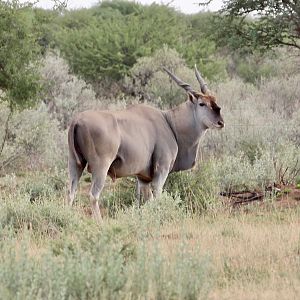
[(187, 132)]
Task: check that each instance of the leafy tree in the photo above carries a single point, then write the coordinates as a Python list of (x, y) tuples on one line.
[(113, 40), (199, 48), (45, 26), (124, 7), (103, 43), (19, 51), (276, 23)]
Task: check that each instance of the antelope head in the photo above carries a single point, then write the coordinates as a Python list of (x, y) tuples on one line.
[(207, 112)]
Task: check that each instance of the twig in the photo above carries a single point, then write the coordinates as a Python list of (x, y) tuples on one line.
[(238, 198), (10, 160), (257, 196), (228, 194), (6, 131), (169, 3), (205, 3)]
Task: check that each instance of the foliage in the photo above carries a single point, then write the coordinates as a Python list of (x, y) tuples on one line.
[(200, 48), (43, 185), (165, 209), (49, 251), (255, 68), (74, 259), (44, 218), (198, 188), (260, 144), (45, 26), (119, 195), (109, 49), (277, 24), (63, 93), (149, 82), (103, 43), (19, 80), (33, 141)]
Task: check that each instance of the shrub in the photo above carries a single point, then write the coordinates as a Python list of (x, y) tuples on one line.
[(237, 173), (197, 189), (255, 68), (106, 274), (281, 96), (280, 165), (111, 41), (165, 209), (45, 185), (64, 94), (43, 217), (251, 123), (79, 261), (184, 277), (149, 82), (153, 214), (33, 141), (119, 195), (8, 183)]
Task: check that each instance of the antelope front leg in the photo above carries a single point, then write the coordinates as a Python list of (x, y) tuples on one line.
[(143, 192), (158, 182)]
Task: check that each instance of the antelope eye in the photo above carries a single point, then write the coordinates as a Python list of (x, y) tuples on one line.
[(201, 104)]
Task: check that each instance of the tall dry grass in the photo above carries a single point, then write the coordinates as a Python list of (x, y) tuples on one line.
[(157, 252)]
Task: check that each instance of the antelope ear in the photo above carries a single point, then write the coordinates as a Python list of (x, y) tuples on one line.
[(192, 97)]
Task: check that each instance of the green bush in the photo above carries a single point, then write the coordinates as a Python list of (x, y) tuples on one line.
[(42, 218), (19, 55), (111, 41), (149, 82), (256, 68), (64, 94), (165, 209), (279, 165), (198, 189), (79, 260), (45, 185), (107, 274), (119, 195), (33, 141)]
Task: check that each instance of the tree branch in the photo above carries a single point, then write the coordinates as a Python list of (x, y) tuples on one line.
[(6, 130), (288, 44), (207, 2), (8, 161)]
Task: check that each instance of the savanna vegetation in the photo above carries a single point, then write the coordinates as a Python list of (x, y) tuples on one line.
[(192, 243)]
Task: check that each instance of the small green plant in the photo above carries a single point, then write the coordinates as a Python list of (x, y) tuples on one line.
[(119, 195), (44, 185), (42, 217), (106, 263), (197, 189), (297, 182)]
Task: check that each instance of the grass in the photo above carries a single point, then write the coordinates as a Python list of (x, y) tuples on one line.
[(48, 251)]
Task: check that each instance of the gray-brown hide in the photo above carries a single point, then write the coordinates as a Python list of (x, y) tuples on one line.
[(141, 140)]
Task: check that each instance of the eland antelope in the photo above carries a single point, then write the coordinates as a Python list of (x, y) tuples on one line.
[(140, 141)]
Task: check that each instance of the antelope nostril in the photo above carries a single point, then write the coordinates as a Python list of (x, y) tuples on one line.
[(221, 123)]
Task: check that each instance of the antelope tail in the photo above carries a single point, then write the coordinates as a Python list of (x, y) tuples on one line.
[(71, 140)]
